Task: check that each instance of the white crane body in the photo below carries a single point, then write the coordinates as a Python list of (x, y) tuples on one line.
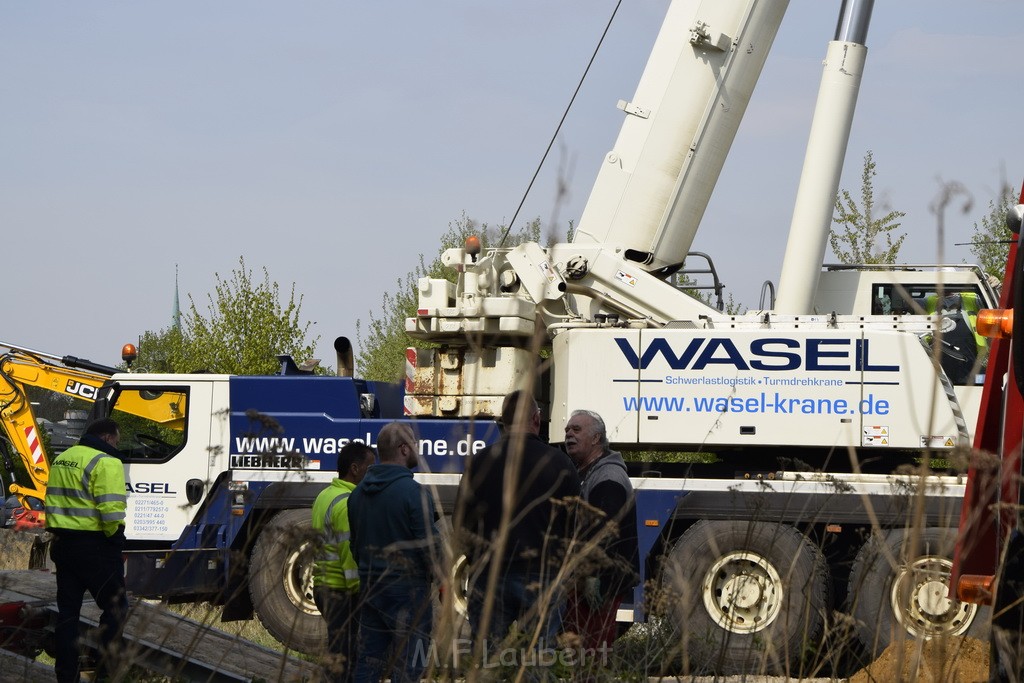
[(853, 368)]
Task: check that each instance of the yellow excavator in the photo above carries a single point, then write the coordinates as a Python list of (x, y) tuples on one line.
[(67, 375)]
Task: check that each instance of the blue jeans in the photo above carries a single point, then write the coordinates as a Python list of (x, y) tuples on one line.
[(394, 631), (521, 596)]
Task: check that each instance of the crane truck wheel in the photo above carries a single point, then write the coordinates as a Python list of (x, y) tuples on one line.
[(745, 596), (281, 581), (897, 592)]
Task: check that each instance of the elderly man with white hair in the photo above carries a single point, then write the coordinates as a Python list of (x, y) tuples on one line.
[(609, 523)]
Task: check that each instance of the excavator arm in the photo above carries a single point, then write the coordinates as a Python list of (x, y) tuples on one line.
[(66, 375), (69, 376)]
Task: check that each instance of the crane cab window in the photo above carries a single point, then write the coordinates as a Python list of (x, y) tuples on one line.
[(152, 422), (903, 299), (962, 351)]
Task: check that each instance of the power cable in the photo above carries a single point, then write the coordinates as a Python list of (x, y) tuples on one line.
[(558, 129)]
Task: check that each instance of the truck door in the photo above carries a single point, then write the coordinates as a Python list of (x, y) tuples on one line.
[(166, 455)]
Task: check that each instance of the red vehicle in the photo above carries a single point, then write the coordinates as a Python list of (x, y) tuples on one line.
[(988, 566)]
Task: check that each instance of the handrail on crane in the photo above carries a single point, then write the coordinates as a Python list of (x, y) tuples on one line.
[(716, 285)]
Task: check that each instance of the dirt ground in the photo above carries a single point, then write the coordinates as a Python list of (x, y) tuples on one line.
[(952, 660)]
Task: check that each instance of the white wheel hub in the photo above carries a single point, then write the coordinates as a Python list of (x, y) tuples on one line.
[(460, 585), (921, 602), (742, 592), (298, 578)]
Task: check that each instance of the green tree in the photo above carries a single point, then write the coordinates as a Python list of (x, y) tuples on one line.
[(858, 241), (246, 325), (382, 342), (162, 351), (990, 241)]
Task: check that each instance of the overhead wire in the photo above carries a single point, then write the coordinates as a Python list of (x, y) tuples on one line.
[(558, 129)]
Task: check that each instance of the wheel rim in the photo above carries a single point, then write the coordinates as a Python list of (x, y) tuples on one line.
[(298, 578), (460, 585), (742, 592), (920, 601)]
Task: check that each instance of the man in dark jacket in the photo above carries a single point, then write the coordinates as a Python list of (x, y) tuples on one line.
[(608, 525), (515, 551), (395, 547)]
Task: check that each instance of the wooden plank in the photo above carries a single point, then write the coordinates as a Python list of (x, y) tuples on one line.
[(167, 642), (28, 585), (175, 645)]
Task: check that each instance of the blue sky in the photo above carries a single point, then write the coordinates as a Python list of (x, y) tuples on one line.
[(334, 142)]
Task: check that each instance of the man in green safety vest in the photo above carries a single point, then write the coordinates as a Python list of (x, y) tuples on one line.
[(335, 573), (85, 512)]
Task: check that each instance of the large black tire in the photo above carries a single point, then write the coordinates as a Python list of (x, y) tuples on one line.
[(281, 582), (897, 592), (745, 597)]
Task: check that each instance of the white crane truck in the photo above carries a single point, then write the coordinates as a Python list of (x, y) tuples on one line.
[(852, 369), (809, 404)]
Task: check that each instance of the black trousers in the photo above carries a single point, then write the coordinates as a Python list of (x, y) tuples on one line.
[(340, 611), (88, 562)]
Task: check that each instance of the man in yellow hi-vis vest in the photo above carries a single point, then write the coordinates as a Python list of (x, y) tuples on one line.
[(85, 512), (335, 573)]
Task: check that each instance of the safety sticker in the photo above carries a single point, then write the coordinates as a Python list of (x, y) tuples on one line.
[(876, 435), (626, 278), (937, 441), (546, 271)]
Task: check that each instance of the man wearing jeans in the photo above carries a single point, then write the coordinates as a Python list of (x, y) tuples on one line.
[(516, 550), (396, 549)]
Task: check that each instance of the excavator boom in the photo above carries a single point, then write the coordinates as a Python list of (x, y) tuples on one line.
[(71, 376), (21, 368)]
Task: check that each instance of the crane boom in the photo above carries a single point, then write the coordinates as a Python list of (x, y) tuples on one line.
[(654, 185), (823, 163)]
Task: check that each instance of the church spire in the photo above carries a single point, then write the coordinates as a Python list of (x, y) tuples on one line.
[(176, 312)]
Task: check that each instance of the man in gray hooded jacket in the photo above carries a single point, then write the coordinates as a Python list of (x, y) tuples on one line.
[(609, 523)]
